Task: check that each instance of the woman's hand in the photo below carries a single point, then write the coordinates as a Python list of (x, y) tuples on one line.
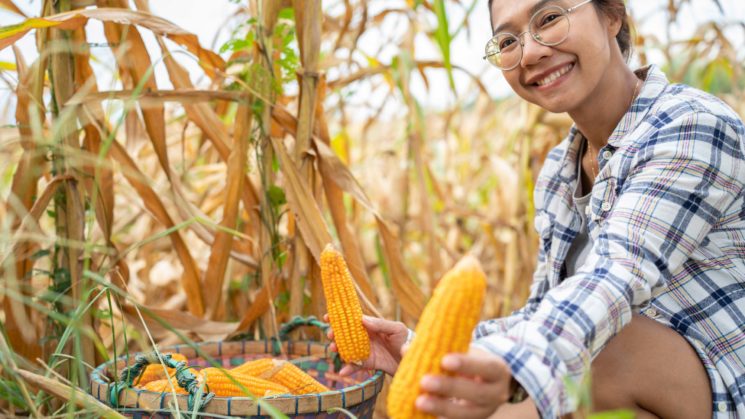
[(386, 339), (481, 384)]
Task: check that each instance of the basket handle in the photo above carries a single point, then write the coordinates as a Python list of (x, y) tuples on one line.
[(298, 321)]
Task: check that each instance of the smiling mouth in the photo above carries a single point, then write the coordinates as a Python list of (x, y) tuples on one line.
[(554, 76)]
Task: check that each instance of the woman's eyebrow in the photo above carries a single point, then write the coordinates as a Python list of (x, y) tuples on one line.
[(536, 7)]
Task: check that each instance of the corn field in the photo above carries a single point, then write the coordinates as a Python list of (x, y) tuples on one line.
[(136, 215)]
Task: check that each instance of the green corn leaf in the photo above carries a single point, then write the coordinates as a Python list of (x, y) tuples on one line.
[(443, 38)]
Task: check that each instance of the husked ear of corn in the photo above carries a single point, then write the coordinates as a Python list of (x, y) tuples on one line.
[(445, 326), (282, 372), (345, 311), (219, 383), (254, 367), (162, 386), (155, 372)]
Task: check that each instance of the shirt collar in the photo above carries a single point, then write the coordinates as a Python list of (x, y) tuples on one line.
[(654, 82)]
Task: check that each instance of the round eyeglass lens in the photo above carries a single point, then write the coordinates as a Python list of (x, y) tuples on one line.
[(550, 26), (504, 51)]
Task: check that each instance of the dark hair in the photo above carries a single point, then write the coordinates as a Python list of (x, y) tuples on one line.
[(614, 9)]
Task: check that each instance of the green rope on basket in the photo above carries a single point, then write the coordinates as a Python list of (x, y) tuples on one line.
[(184, 378), (188, 381)]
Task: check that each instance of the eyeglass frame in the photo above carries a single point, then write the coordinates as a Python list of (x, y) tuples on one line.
[(519, 37)]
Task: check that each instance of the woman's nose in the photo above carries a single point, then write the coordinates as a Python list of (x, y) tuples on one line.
[(533, 51)]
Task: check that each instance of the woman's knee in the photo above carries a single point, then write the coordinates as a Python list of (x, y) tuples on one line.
[(643, 368)]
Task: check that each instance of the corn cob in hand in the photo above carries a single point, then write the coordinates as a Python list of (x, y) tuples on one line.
[(345, 312), (445, 326)]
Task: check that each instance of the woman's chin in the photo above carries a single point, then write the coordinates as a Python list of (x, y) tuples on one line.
[(555, 107)]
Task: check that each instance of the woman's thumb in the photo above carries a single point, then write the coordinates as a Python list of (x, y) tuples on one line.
[(375, 324)]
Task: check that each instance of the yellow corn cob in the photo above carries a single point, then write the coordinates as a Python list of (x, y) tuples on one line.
[(345, 312), (162, 386), (282, 372), (254, 367), (219, 383), (445, 326), (154, 372), (297, 380)]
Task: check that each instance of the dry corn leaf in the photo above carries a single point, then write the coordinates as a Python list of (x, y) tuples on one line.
[(135, 61), (154, 318), (9, 5), (221, 247), (190, 279), (260, 304), (208, 60), (407, 292), (335, 200), (310, 222), (212, 127)]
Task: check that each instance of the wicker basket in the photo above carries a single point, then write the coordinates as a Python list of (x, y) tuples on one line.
[(355, 393)]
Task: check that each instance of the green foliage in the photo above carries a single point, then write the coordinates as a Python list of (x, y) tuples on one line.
[(443, 38), (244, 39), (10, 392)]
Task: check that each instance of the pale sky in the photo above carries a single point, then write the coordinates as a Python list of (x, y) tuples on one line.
[(207, 19)]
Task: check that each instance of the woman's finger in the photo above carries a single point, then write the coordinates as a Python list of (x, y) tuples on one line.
[(333, 347), (404, 348), (451, 408), (348, 369), (330, 334), (478, 393), (375, 324), (477, 364)]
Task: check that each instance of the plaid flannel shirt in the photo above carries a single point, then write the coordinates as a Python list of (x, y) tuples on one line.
[(667, 223)]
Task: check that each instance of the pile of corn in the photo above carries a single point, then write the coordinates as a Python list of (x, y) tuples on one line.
[(261, 377)]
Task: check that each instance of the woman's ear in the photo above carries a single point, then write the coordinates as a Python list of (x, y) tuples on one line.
[(613, 24)]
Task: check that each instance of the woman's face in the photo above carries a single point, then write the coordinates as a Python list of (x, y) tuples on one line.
[(562, 77)]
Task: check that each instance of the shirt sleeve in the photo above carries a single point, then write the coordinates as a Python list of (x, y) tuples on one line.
[(685, 174)]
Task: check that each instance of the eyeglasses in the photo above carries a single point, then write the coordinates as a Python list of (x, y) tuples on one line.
[(548, 26)]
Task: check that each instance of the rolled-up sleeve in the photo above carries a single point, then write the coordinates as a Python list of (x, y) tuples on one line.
[(686, 172)]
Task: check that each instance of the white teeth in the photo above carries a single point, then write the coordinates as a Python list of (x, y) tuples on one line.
[(555, 75)]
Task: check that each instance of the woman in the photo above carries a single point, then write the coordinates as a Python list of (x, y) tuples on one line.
[(641, 216)]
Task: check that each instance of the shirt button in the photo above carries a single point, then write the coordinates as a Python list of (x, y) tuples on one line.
[(722, 406), (652, 313), (607, 154), (605, 206)]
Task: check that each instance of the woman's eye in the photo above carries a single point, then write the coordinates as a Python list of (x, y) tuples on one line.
[(549, 19), (506, 43)]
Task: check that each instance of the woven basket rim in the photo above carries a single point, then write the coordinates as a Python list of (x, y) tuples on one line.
[(139, 399)]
